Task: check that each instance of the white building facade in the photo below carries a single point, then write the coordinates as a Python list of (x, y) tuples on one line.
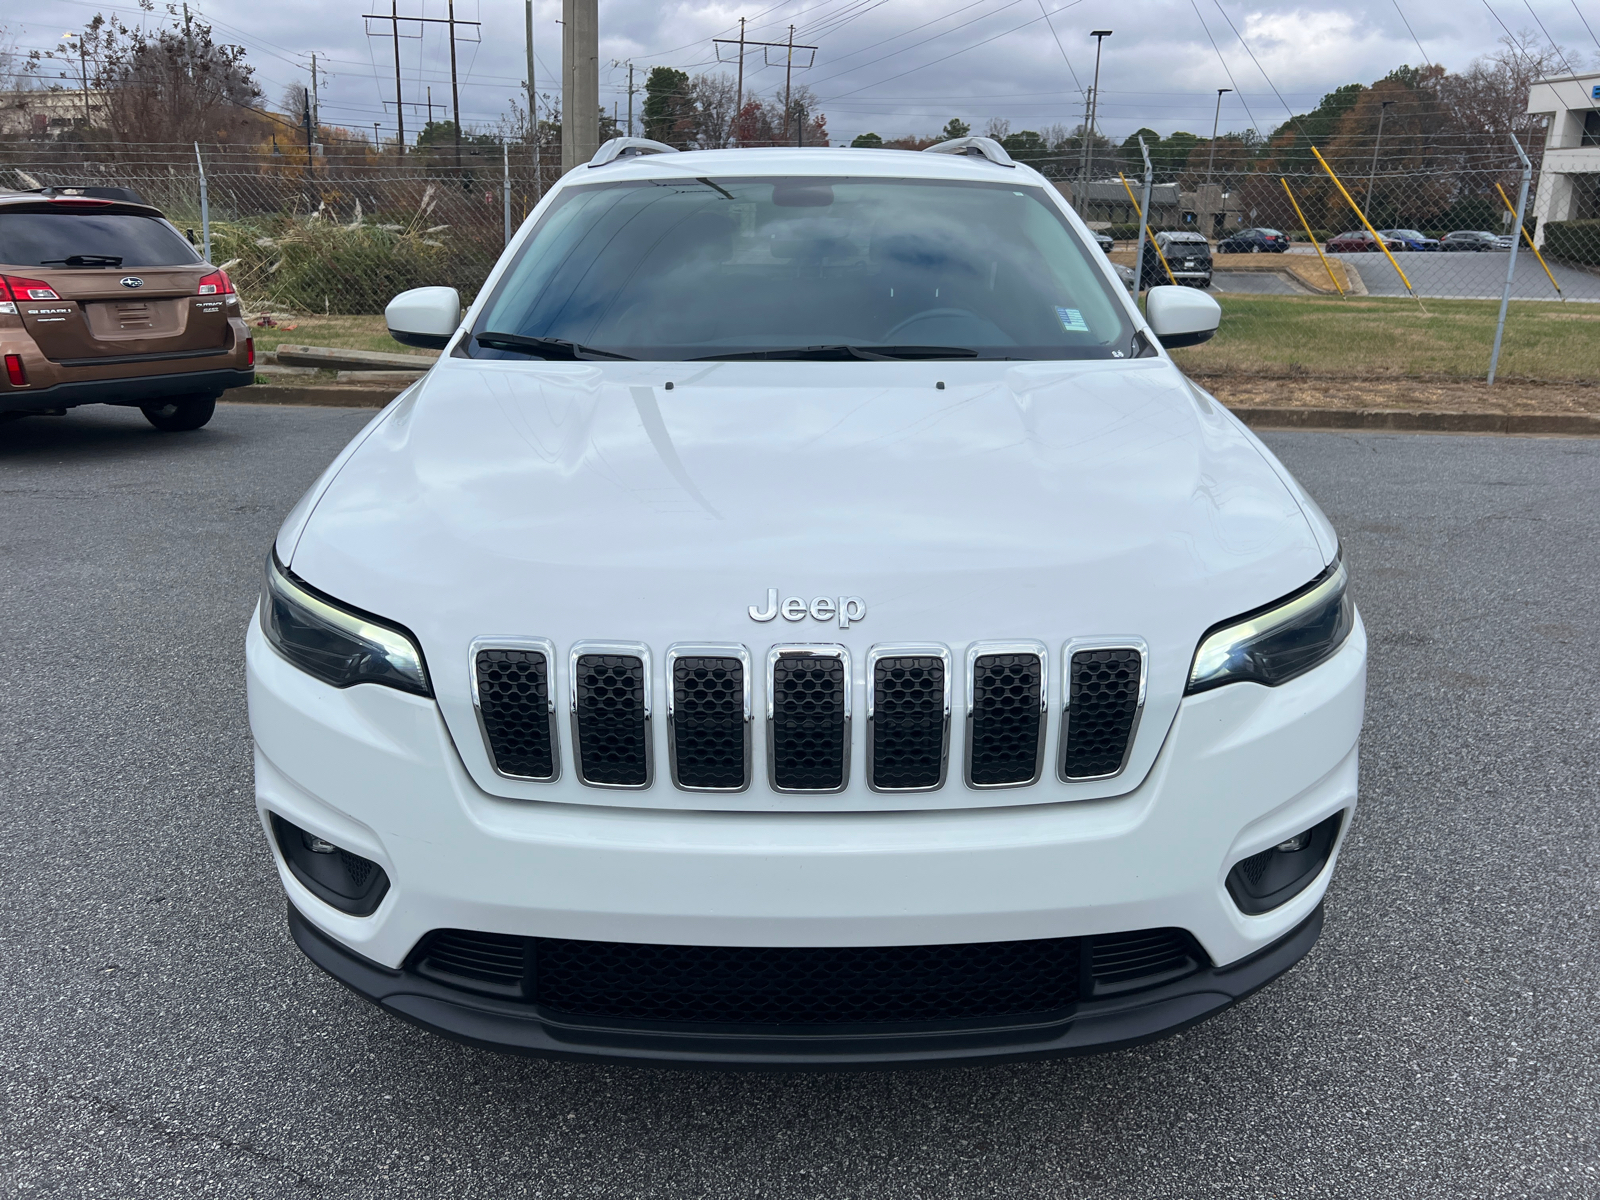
[(1569, 182)]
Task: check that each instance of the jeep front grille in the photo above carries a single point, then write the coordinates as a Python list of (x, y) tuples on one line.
[(1007, 697), (611, 714), (516, 709), (708, 717), (908, 718), (808, 718), (1105, 695)]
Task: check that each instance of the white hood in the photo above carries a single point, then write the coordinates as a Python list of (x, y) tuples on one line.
[(572, 501)]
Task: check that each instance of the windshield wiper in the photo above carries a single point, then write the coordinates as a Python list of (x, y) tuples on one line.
[(545, 347), (84, 260), (844, 352)]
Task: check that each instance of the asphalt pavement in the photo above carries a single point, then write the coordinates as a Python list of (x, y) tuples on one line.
[(1468, 275), (162, 1037)]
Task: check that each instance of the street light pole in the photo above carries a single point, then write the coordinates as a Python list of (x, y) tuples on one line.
[(1383, 110), (1216, 120), (1099, 36)]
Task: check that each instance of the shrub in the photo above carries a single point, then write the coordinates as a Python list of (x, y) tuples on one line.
[(1130, 231), (1573, 241), (318, 263)]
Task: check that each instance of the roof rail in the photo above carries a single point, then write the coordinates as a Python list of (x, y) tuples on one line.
[(978, 147), (628, 147)]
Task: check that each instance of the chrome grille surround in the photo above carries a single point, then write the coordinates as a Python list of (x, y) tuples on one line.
[(906, 650), (808, 650), (1041, 653), (526, 645), (680, 650), (1076, 646), (640, 651)]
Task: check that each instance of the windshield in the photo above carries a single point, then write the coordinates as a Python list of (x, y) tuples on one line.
[(47, 239), (717, 268)]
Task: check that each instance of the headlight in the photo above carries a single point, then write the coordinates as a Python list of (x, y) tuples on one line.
[(1279, 642), (337, 645)]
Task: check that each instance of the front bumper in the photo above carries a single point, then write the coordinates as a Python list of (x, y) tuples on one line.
[(375, 771), (1093, 1026)]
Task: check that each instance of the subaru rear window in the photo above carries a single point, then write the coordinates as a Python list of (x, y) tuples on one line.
[(50, 239), (686, 268)]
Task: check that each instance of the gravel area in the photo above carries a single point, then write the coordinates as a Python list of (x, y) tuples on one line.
[(162, 1036)]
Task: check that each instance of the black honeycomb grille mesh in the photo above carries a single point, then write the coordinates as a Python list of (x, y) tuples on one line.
[(1006, 718), (908, 722), (613, 745), (808, 730), (742, 985), (708, 724), (1103, 702), (514, 699)]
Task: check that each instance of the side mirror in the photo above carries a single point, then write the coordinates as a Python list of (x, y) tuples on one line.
[(1181, 316), (425, 317)]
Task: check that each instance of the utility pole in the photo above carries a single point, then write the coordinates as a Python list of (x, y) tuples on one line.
[(455, 90), (738, 103), (800, 129), (450, 20), (788, 74), (399, 98), (580, 82), (83, 68), (630, 98), (316, 107), (533, 96), (1215, 121), (1383, 110), (1100, 36)]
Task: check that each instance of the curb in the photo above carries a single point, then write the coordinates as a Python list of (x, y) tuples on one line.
[(1400, 420), (1386, 420)]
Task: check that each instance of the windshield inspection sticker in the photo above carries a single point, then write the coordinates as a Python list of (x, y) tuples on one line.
[(1072, 320)]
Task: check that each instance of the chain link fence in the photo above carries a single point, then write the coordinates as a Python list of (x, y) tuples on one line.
[(343, 231)]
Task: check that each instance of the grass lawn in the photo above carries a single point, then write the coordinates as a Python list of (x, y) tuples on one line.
[(1380, 338), (347, 333)]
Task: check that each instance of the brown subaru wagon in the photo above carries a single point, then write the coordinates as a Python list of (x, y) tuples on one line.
[(103, 301)]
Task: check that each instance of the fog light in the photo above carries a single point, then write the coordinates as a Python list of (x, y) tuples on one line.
[(329, 872), (1273, 877)]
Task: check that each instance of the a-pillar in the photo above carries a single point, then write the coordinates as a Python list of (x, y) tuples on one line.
[(580, 82)]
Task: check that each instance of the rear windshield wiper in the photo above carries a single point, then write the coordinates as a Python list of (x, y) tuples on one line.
[(545, 347), (844, 352), (84, 260)]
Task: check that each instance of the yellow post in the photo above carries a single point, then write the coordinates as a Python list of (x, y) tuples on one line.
[(1310, 237), (1531, 246), (1356, 208), (1162, 258)]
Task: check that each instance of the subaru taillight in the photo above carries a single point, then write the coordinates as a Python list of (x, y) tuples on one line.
[(16, 373), (14, 287), (216, 283), (249, 352)]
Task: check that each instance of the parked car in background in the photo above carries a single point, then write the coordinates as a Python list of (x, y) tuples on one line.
[(1254, 241), (1359, 241), (1504, 240), (1104, 241), (1412, 239), (1188, 256), (1469, 239), (102, 301)]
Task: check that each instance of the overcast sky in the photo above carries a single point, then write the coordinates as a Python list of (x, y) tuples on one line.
[(890, 66)]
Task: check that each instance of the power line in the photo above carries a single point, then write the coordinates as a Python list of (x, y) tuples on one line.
[(1061, 48), (1225, 70), (1407, 24)]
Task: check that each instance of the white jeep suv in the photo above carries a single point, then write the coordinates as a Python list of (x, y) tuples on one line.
[(805, 618)]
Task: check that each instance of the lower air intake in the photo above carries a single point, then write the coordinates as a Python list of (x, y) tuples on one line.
[(738, 985), (611, 720), (1102, 711)]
